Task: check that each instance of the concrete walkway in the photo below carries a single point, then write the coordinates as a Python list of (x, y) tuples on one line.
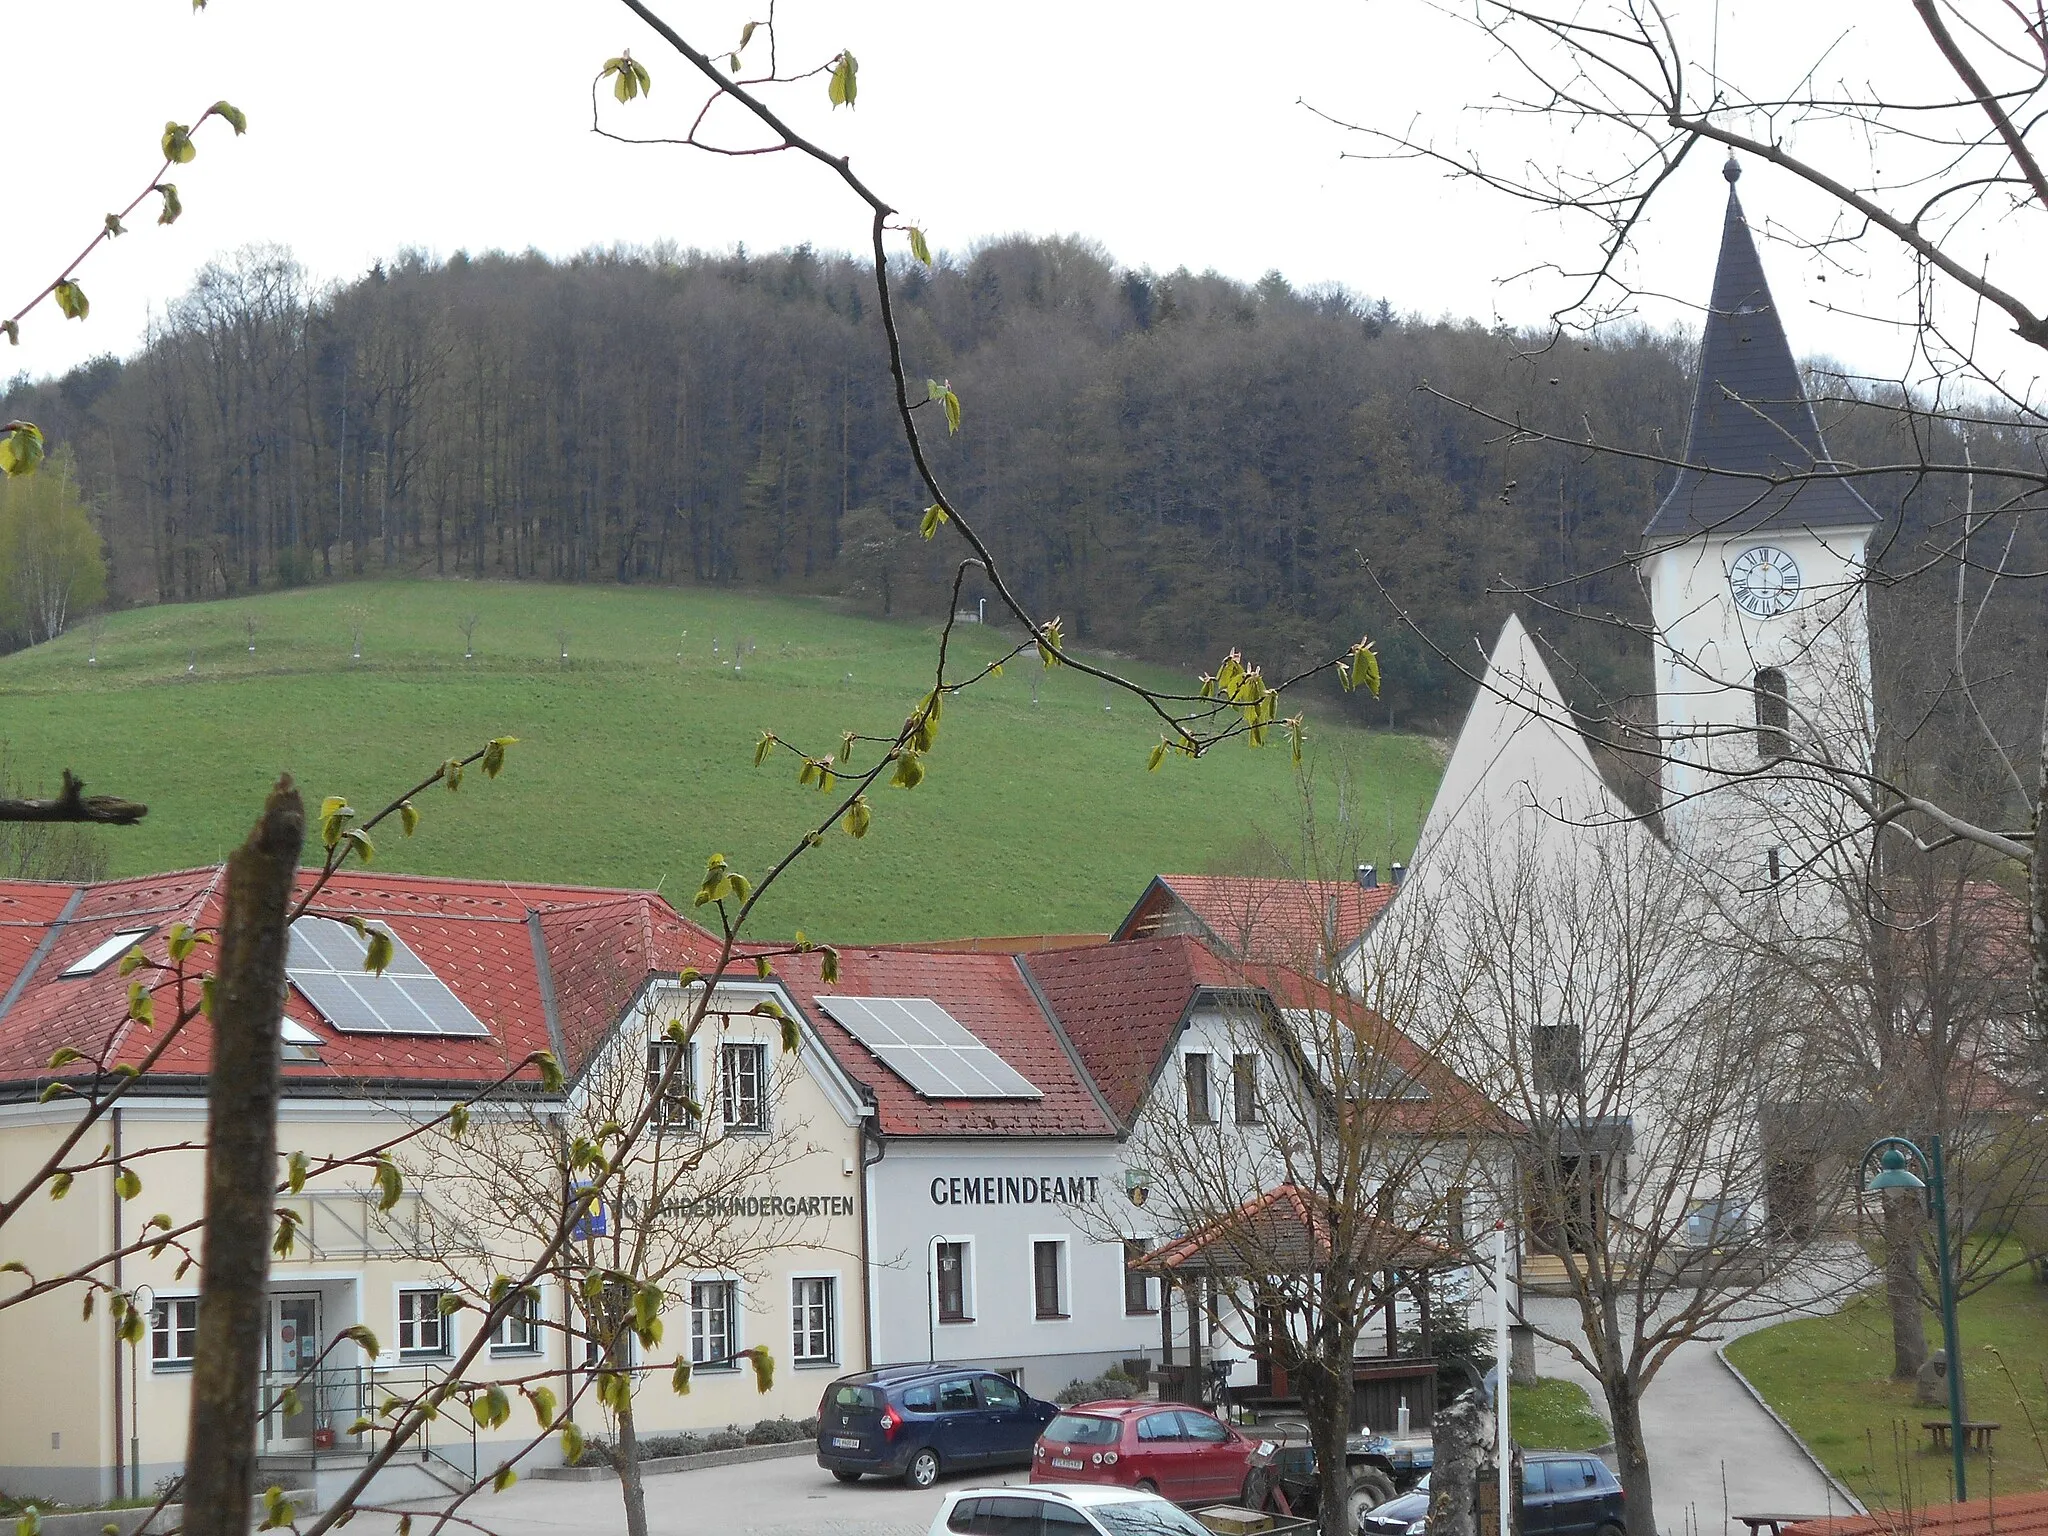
[(1714, 1453)]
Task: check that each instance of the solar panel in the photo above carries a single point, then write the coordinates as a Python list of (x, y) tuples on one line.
[(326, 964), (928, 1048)]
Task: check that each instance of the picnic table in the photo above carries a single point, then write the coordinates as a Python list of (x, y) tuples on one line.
[(1977, 1433), (1757, 1523)]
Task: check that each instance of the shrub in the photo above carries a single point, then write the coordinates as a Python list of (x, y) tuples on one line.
[(1111, 1383), (655, 1447), (724, 1440), (776, 1432)]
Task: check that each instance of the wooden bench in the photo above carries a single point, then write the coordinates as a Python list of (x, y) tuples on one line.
[(1977, 1433), (1757, 1523)]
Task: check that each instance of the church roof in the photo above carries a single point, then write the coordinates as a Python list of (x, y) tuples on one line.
[(1751, 416)]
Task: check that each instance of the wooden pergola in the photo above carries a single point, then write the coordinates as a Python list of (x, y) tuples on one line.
[(1288, 1230)]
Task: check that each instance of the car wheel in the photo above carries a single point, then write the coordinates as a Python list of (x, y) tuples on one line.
[(845, 1476), (1258, 1487), (1612, 1530), (1370, 1488), (923, 1470)]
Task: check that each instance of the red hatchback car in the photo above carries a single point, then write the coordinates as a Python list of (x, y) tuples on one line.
[(1183, 1453)]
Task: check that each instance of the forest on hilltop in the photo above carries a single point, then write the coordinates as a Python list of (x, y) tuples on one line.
[(1176, 463)]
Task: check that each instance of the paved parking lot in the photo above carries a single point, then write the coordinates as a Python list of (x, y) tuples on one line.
[(790, 1496)]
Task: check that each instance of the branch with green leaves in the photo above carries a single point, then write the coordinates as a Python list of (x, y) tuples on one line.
[(21, 442)]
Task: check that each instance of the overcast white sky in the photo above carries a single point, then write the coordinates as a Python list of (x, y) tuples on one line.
[(1169, 132)]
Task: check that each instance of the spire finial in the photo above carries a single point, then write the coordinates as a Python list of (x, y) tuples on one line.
[(1731, 170)]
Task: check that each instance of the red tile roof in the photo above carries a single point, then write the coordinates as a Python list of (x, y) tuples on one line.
[(1298, 923), (2010, 1514), (1289, 1228), (477, 936), (1122, 1005), (990, 997)]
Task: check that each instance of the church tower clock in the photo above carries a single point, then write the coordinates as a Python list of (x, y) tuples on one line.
[(1756, 588)]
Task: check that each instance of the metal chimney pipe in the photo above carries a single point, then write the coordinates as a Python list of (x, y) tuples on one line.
[(1368, 877)]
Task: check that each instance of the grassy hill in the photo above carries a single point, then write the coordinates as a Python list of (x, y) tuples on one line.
[(635, 757)]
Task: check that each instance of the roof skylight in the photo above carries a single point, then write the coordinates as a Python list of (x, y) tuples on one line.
[(104, 951)]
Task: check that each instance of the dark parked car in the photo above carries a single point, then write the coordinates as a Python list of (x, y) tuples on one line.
[(916, 1421), (1563, 1494)]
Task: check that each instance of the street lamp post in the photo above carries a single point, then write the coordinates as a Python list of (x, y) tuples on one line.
[(143, 1300), (1891, 1153)]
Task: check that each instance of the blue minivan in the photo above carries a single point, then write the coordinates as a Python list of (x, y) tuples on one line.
[(916, 1421)]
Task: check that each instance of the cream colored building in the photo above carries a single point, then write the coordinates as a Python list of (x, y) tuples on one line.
[(760, 1246)]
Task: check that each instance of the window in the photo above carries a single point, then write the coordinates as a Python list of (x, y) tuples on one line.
[(1196, 1065), (1010, 1515), (173, 1331), (1532, 1479), (1159, 1426), (742, 1087), (923, 1399), (713, 1314), (957, 1396), (998, 1395), (1570, 1476), (672, 1104), (1244, 1088), (814, 1320), (518, 1330), (1554, 1058), (1137, 1284), (614, 1307), (98, 956), (1454, 1216), (1774, 865), (1046, 1289), (952, 1283), (422, 1330), (1773, 716), (1200, 1427)]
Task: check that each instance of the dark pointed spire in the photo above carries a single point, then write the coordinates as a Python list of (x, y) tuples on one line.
[(1750, 414)]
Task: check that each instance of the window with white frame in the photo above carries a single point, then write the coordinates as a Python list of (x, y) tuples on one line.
[(173, 1332), (606, 1318), (955, 1285), (422, 1330), (814, 1319), (518, 1331), (714, 1319), (1195, 1067), (743, 1085), (670, 1091), (1048, 1278)]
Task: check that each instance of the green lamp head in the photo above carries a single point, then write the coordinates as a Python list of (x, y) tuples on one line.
[(1894, 1174)]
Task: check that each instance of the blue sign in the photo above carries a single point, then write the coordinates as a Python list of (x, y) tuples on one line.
[(590, 1223)]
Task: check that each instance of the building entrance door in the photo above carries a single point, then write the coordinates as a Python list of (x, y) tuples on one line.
[(294, 1345)]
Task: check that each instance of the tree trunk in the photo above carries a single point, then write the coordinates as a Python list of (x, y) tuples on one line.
[(631, 1488), (2037, 901), (1903, 1227), (1326, 1404), (1631, 1456), (241, 1170)]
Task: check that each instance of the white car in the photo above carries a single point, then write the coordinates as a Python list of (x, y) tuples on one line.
[(1061, 1510)]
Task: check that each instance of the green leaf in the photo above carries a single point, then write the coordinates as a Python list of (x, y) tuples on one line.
[(21, 442), (279, 1511), (115, 228), (572, 1445), (458, 1120), (762, 968), (845, 84), (918, 246), (628, 76), (543, 1406), (858, 816), (141, 1006), (177, 144), (451, 774), (1364, 670), (550, 1070), (30, 1523), (828, 967), (1158, 756), (764, 1367), (63, 1056), (492, 1409), (60, 1186), (747, 33), (206, 989), (763, 747), (364, 1339), (358, 839), (1051, 641), (792, 1037), (390, 1184), (379, 957), (133, 961), (935, 518), (680, 1380), (295, 1172), (408, 817), (287, 1234), (952, 412), (909, 770), (71, 300), (494, 755), (127, 1183), (179, 941), (233, 116), (172, 207)]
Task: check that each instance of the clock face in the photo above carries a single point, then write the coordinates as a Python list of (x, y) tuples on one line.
[(1765, 581)]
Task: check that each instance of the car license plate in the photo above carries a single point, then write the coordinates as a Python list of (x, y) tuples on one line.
[(851, 1442), (1063, 1463)]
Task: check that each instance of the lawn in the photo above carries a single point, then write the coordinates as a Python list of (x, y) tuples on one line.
[(635, 755), (1551, 1414), (1830, 1377)]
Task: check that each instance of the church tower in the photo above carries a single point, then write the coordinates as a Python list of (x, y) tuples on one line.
[(1756, 589)]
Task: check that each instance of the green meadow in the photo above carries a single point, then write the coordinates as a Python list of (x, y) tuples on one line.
[(636, 752)]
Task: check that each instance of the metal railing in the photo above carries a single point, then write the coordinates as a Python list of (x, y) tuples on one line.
[(333, 1399)]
